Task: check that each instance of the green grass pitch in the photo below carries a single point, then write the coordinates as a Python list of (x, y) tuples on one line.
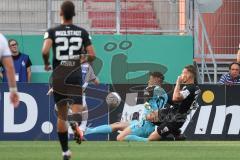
[(184, 150)]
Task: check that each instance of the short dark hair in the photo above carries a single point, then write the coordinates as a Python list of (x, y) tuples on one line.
[(230, 65), (158, 75), (68, 10), (193, 71), (10, 40)]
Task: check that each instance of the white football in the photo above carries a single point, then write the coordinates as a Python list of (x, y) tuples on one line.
[(113, 99)]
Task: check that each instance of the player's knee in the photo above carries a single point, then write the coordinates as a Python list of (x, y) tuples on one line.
[(62, 117), (77, 108), (151, 138)]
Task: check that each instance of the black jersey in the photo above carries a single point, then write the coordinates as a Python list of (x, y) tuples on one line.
[(174, 116), (68, 42), (190, 93)]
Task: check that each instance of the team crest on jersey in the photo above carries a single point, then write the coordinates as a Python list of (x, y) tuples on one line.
[(23, 63)]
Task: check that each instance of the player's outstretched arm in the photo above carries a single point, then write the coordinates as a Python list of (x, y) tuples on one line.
[(8, 64)]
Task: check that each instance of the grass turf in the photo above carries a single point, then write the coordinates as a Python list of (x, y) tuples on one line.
[(184, 150)]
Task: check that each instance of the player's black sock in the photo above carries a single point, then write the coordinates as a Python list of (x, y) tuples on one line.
[(63, 138)]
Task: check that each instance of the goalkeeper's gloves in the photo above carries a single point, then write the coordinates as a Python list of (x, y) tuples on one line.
[(148, 106)]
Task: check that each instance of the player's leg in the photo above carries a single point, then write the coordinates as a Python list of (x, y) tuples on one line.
[(135, 128), (154, 136), (107, 128), (162, 131), (104, 129), (119, 126), (140, 131), (136, 132), (77, 109), (83, 125), (128, 135), (176, 131), (62, 129), (127, 131), (135, 138)]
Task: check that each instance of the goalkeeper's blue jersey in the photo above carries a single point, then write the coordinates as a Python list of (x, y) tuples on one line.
[(157, 101), (157, 98)]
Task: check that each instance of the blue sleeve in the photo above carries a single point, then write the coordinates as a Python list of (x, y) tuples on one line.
[(161, 96), (222, 79), (158, 102), (162, 101)]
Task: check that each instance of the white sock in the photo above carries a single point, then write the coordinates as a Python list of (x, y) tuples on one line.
[(67, 153), (83, 126)]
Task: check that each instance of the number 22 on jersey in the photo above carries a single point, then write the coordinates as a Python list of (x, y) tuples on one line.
[(68, 48)]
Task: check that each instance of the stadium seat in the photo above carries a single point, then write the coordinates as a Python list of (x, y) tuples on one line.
[(135, 15)]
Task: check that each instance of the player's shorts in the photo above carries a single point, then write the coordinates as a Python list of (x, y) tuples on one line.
[(170, 121), (67, 84), (60, 98), (141, 128), (166, 128)]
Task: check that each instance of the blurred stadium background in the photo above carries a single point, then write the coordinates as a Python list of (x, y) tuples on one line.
[(140, 36), (213, 25)]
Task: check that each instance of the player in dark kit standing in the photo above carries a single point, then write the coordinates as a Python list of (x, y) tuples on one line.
[(67, 41), (182, 101)]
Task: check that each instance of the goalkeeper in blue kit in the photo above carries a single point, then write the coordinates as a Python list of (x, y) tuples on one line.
[(137, 130)]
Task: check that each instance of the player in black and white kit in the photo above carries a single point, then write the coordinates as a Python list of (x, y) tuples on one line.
[(67, 41), (182, 101)]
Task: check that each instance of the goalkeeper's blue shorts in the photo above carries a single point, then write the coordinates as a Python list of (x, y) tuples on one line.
[(141, 128)]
